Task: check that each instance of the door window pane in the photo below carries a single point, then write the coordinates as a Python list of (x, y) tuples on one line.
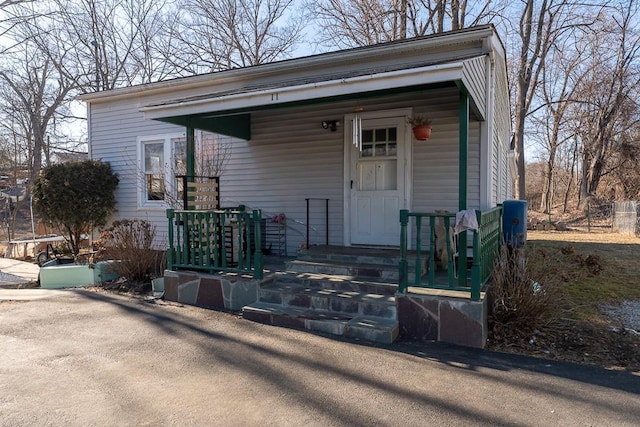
[(379, 142), (367, 135), (393, 134)]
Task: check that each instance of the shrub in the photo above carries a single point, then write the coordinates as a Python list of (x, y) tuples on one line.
[(130, 242), (75, 197), (522, 294)]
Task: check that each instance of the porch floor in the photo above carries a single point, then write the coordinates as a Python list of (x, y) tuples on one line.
[(356, 259)]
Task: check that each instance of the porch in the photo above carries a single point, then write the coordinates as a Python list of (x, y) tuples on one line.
[(373, 294)]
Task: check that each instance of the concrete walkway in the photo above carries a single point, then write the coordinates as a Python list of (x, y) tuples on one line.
[(28, 294), (93, 358), (14, 271)]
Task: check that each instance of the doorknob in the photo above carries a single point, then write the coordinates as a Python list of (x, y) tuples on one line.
[(352, 184)]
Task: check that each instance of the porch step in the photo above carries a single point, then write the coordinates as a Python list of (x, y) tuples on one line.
[(369, 328), (337, 297), (352, 255), (335, 304), (362, 263), (380, 272), (336, 282)]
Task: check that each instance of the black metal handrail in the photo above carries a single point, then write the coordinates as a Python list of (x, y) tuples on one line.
[(326, 218)]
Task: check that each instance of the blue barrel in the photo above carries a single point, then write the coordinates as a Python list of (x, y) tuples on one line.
[(514, 222)]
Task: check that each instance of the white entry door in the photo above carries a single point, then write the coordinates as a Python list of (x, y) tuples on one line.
[(378, 182)]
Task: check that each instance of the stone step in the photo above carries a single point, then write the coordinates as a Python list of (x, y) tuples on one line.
[(312, 295), (336, 282), (368, 328), (380, 272), (377, 257)]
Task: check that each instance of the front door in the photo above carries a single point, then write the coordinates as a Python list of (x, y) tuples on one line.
[(378, 181)]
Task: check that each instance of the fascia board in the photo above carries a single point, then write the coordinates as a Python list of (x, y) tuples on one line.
[(274, 96)]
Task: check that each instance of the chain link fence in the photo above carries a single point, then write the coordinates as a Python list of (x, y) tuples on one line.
[(626, 216)]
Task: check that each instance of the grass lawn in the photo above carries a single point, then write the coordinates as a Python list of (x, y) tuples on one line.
[(611, 275)]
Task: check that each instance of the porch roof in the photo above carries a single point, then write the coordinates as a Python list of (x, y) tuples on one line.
[(227, 111)]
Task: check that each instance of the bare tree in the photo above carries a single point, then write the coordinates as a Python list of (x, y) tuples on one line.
[(541, 25), (609, 111), (158, 40), (534, 37), (114, 43), (37, 88), (9, 19), (226, 34), (561, 80), (6, 3), (350, 23), (35, 91)]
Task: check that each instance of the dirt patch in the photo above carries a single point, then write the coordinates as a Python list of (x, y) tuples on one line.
[(576, 341)]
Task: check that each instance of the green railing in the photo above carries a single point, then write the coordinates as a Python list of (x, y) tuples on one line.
[(223, 240), (486, 244)]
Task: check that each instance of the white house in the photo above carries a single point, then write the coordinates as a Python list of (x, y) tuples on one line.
[(278, 154), (322, 147)]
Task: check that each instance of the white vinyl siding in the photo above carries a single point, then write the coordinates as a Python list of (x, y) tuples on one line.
[(435, 161), (474, 71), (291, 157), (502, 183), (116, 129)]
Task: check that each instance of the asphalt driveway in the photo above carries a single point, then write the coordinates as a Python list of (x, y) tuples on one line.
[(81, 358)]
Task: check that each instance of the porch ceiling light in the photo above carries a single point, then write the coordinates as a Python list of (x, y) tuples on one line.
[(330, 124)]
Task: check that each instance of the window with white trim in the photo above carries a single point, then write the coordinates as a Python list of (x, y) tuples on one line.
[(161, 158)]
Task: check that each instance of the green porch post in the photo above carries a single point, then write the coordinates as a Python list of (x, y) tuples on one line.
[(462, 182), (191, 151)]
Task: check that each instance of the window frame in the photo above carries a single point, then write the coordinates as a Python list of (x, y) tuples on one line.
[(166, 169)]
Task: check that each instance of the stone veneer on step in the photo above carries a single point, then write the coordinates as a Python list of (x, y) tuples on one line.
[(448, 319), (230, 292)]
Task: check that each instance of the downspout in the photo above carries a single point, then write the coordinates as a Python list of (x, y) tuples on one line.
[(89, 131), (463, 185), (487, 144)]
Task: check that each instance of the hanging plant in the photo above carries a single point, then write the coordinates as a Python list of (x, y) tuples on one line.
[(421, 127)]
